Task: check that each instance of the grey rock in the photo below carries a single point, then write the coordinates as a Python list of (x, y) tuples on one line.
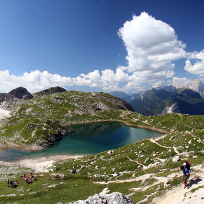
[(50, 91), (176, 159), (197, 86), (146, 160), (20, 93), (113, 198), (170, 109)]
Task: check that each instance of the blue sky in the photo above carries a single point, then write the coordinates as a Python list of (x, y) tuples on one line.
[(100, 45)]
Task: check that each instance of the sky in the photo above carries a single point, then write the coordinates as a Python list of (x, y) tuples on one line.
[(100, 45)]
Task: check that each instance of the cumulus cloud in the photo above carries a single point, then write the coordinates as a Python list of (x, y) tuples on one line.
[(33, 81), (151, 46), (183, 80), (157, 84), (106, 80), (198, 66)]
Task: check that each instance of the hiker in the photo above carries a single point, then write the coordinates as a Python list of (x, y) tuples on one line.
[(15, 184), (8, 182), (23, 177), (186, 175), (187, 165), (28, 181)]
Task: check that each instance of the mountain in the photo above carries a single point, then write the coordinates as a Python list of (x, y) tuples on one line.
[(198, 86), (49, 91), (151, 102), (160, 101), (39, 120), (124, 96), (142, 170), (171, 88), (119, 94), (20, 93)]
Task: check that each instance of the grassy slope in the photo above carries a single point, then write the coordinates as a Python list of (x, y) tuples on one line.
[(123, 164)]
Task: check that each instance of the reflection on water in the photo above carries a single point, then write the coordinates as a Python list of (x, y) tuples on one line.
[(86, 139)]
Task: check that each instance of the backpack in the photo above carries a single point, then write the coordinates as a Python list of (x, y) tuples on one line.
[(188, 165)]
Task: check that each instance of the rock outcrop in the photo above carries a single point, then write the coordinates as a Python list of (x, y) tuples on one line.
[(5, 97), (170, 109), (20, 93), (115, 197), (49, 91), (116, 102)]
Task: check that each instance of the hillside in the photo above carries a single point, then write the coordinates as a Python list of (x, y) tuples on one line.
[(143, 170), (159, 102), (39, 121)]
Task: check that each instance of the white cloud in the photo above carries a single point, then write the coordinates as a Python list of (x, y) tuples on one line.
[(157, 84), (33, 81), (198, 66), (107, 79), (151, 45), (183, 80)]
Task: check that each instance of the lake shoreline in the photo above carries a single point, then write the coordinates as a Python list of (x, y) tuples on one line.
[(6, 144), (128, 124), (40, 164)]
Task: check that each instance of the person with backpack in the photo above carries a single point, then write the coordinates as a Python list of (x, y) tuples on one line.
[(186, 175), (187, 165)]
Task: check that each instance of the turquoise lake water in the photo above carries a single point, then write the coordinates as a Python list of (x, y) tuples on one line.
[(87, 139)]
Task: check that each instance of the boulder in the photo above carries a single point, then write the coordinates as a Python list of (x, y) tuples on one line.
[(176, 159), (115, 197), (146, 160), (166, 184)]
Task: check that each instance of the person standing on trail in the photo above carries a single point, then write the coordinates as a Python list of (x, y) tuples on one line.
[(187, 165), (186, 175)]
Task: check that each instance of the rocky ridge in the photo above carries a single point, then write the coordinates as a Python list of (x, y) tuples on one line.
[(49, 91)]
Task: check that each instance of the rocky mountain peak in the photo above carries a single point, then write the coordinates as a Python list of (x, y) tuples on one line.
[(20, 93), (197, 85), (179, 86), (169, 88)]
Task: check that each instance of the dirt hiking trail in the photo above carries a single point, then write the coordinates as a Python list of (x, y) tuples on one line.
[(194, 195)]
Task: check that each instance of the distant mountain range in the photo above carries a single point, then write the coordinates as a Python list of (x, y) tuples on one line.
[(126, 97), (175, 98)]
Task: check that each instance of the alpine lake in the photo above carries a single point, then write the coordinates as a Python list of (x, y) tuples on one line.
[(86, 139)]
